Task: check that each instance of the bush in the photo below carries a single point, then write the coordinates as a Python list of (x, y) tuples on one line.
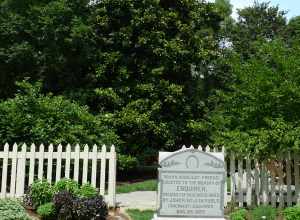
[(46, 211), (63, 202), (267, 211), (126, 162), (69, 206), (11, 209), (292, 213), (66, 185), (240, 214), (90, 208), (40, 192), (87, 191)]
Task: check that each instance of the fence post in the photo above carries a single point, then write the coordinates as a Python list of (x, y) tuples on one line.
[(112, 177)]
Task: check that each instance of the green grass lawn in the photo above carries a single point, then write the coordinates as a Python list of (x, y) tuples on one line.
[(148, 185), (136, 214)]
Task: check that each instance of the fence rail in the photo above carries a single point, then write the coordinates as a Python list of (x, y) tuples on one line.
[(252, 182), (21, 165)]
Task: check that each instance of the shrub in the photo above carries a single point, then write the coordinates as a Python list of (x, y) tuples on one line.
[(126, 162), (41, 192), (292, 213), (240, 214), (46, 211), (90, 208), (66, 185), (11, 209), (63, 202), (87, 191), (267, 211)]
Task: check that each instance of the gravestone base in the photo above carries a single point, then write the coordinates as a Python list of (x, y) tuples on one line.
[(155, 217)]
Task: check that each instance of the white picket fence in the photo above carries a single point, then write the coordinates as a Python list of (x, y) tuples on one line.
[(252, 182), (21, 165)]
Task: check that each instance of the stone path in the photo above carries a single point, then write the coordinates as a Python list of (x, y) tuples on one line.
[(137, 200)]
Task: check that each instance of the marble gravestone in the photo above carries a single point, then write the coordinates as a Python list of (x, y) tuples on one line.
[(191, 185)]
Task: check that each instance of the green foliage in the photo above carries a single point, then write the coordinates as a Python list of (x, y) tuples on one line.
[(87, 191), (240, 214), (41, 192), (46, 211), (126, 162), (292, 213), (11, 209), (136, 214), (31, 117), (66, 185), (267, 211), (259, 114)]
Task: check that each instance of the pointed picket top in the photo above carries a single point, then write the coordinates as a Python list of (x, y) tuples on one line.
[(95, 148), (15, 147), (112, 149), (68, 148), (50, 147), (200, 148), (183, 147), (24, 147), (77, 147), (59, 148), (207, 148), (192, 147), (6, 146), (32, 147), (223, 149), (103, 149), (42, 147)]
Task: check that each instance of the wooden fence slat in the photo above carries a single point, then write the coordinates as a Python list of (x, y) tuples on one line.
[(50, 163), (297, 179), (4, 171), (288, 179), (280, 187), (31, 163), (85, 164), (102, 171), (76, 162), (257, 182), (68, 161), (249, 182), (94, 166), (112, 177), (21, 165), (264, 184), (58, 163), (240, 182), (232, 179), (13, 170), (273, 192), (41, 162), (225, 184)]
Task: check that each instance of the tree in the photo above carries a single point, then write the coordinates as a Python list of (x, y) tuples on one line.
[(259, 115), (292, 34), (259, 22)]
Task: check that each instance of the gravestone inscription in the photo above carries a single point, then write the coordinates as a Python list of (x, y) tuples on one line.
[(191, 185)]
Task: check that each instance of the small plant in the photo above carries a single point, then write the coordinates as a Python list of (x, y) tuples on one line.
[(264, 212), (90, 208), (40, 192), (292, 213), (240, 214), (66, 185), (47, 211), (63, 202), (87, 191), (11, 209)]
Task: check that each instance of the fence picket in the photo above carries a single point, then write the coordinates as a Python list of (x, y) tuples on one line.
[(273, 192), (32, 162), (50, 163), (240, 182), (249, 183), (4, 170), (257, 182), (102, 171), (58, 163), (94, 166), (41, 162), (288, 179), (264, 184), (85, 164), (232, 179), (280, 186), (76, 162), (68, 161), (112, 176), (21, 163), (297, 179), (13, 170)]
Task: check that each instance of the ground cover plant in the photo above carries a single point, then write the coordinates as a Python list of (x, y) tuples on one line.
[(65, 200), (12, 209), (292, 213), (136, 214), (147, 185)]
